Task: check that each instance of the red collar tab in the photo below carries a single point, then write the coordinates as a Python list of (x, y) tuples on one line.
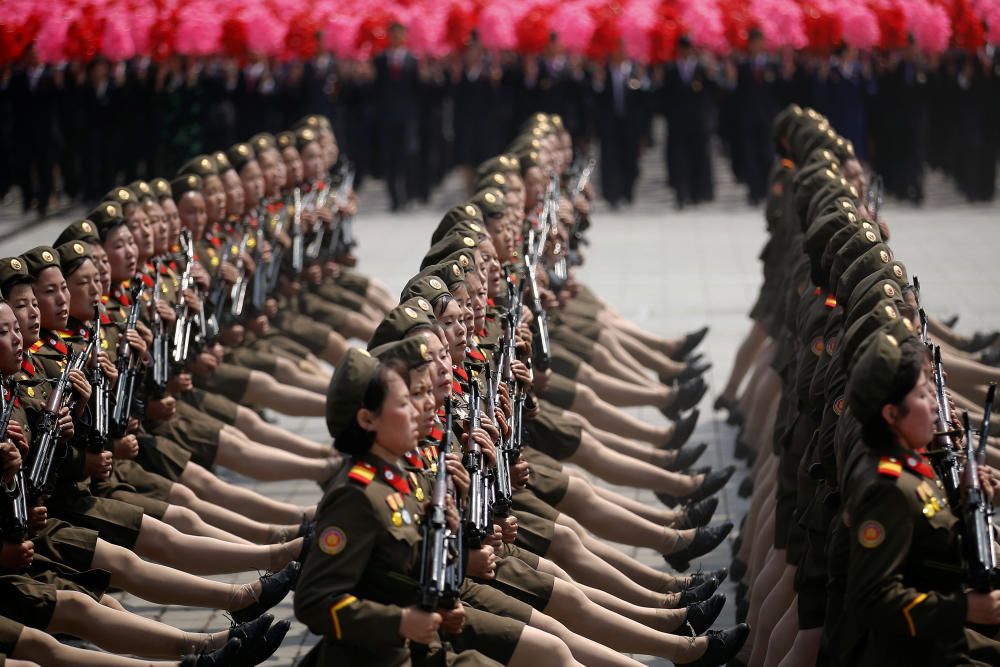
[(396, 479)]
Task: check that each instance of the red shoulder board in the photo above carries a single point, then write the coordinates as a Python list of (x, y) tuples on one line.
[(362, 473), (105, 319), (889, 467), (413, 458), (476, 354), (37, 345), (147, 280), (918, 464)]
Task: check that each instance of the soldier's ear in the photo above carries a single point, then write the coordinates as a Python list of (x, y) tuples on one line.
[(890, 413), (366, 419)]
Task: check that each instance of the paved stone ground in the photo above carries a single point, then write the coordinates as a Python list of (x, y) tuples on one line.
[(668, 271)]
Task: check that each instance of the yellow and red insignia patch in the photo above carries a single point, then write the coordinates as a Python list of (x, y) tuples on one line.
[(831, 302), (838, 406), (362, 473), (332, 541), (817, 346), (889, 467), (871, 534), (831, 346)]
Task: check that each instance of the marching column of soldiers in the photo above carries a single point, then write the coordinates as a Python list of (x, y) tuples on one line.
[(866, 422), (450, 529)]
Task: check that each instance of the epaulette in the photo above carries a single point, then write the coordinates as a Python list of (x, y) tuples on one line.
[(37, 345), (889, 467), (362, 473)]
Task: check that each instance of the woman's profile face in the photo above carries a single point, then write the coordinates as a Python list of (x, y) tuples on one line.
[(916, 417), (395, 426)]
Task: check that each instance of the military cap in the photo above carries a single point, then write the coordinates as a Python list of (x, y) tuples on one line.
[(490, 202), (240, 155), (524, 144), (455, 215), (894, 272), (400, 320), (447, 245), (835, 243), (874, 376), (71, 256), (528, 159), (884, 312), (121, 195), (81, 230), (285, 139), (13, 270), (464, 257), (819, 235), (346, 393), (430, 288), (106, 216), (305, 136), (504, 163), (833, 191), (783, 123), (40, 258), (843, 149), (200, 165), (222, 162), (875, 258), (556, 120), (263, 141), (411, 351), (864, 301), (185, 184), (161, 187), (856, 245), (493, 179), (315, 121), (141, 189), (450, 271)]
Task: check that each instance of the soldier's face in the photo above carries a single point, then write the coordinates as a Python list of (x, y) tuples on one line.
[(215, 198), (121, 252), (252, 177), (493, 271), (534, 186), (103, 266), (53, 298), (274, 177), (173, 219), (421, 397), (313, 163), (25, 306), (395, 424), (235, 201), (191, 208), (452, 320), (914, 419), (440, 365), (293, 166), (138, 224), (159, 224), (84, 286), (11, 344), (331, 151)]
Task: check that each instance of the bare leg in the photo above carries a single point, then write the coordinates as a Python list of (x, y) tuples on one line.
[(250, 423), (187, 521), (664, 516), (536, 647), (266, 392), (779, 645), (604, 415), (204, 555), (585, 650), (579, 614), (288, 373), (625, 471), (165, 585), (649, 358), (745, 355), (622, 393), (604, 362), (336, 347), (44, 649), (664, 620), (641, 451), (268, 464), (774, 607), (255, 505), (805, 649), (78, 615), (237, 524)]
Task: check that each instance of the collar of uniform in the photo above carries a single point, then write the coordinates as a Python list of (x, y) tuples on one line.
[(916, 462), (76, 328), (389, 472), (27, 365), (54, 340)]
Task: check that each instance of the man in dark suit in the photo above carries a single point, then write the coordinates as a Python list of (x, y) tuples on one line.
[(397, 103), (619, 88), (686, 98), (755, 98), (32, 94)]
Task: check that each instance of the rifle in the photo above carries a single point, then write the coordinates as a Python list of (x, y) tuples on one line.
[(40, 474), (15, 525), (277, 252), (942, 452), (161, 346), (182, 323), (576, 233), (100, 394), (542, 352), (477, 525), (298, 250), (261, 276), (977, 511), (238, 295), (873, 197), (128, 368)]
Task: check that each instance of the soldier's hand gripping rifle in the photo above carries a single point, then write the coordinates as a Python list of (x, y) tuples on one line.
[(184, 320), (161, 345), (298, 240), (943, 452), (262, 274), (40, 473), (977, 510), (342, 238), (478, 523), (238, 295), (128, 366), (15, 524), (100, 397)]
